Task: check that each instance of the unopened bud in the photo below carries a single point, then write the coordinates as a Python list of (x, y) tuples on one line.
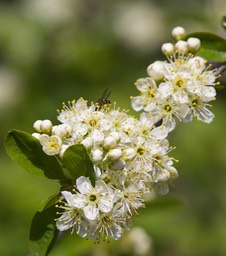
[(168, 49), (87, 143), (116, 136), (109, 143), (114, 154), (178, 33), (37, 125), (198, 62), (129, 154), (118, 165), (46, 126), (182, 47), (173, 173), (156, 70), (62, 130), (96, 155), (193, 44)]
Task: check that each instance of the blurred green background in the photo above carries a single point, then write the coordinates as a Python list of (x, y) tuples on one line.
[(57, 50)]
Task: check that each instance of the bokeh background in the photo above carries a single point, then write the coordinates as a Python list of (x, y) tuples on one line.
[(53, 51)]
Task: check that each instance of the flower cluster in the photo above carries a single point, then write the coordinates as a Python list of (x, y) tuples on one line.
[(129, 155), (180, 88)]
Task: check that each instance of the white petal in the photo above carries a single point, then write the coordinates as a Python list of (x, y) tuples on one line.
[(165, 89), (91, 212), (68, 197), (137, 103), (159, 133), (180, 96), (101, 187), (105, 204), (65, 221), (83, 185), (205, 115), (79, 201)]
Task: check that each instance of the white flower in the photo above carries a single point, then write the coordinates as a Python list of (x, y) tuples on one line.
[(51, 145), (93, 200), (149, 92), (107, 225), (130, 199), (198, 109), (71, 217)]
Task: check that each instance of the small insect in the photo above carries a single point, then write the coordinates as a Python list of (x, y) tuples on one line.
[(103, 101)]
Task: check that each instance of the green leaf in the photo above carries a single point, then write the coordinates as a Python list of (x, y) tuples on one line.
[(223, 22), (78, 163), (49, 202), (43, 232), (212, 48), (26, 151)]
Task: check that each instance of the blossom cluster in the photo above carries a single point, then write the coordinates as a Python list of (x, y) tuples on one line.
[(129, 155), (179, 88)]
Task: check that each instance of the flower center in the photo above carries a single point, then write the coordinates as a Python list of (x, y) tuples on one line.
[(107, 179), (167, 108), (179, 83), (140, 151), (53, 144), (195, 103), (150, 94), (93, 122), (92, 198)]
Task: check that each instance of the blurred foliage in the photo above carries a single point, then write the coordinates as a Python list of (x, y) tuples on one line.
[(57, 50)]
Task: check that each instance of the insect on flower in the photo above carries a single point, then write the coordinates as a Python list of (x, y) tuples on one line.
[(103, 101)]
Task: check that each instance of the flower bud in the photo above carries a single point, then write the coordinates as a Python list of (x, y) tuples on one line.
[(46, 126), (182, 47), (168, 49), (116, 136), (156, 70), (178, 33), (96, 155), (173, 173), (193, 44), (129, 154), (87, 143), (62, 130), (109, 143), (198, 62), (37, 125), (114, 154), (118, 165)]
